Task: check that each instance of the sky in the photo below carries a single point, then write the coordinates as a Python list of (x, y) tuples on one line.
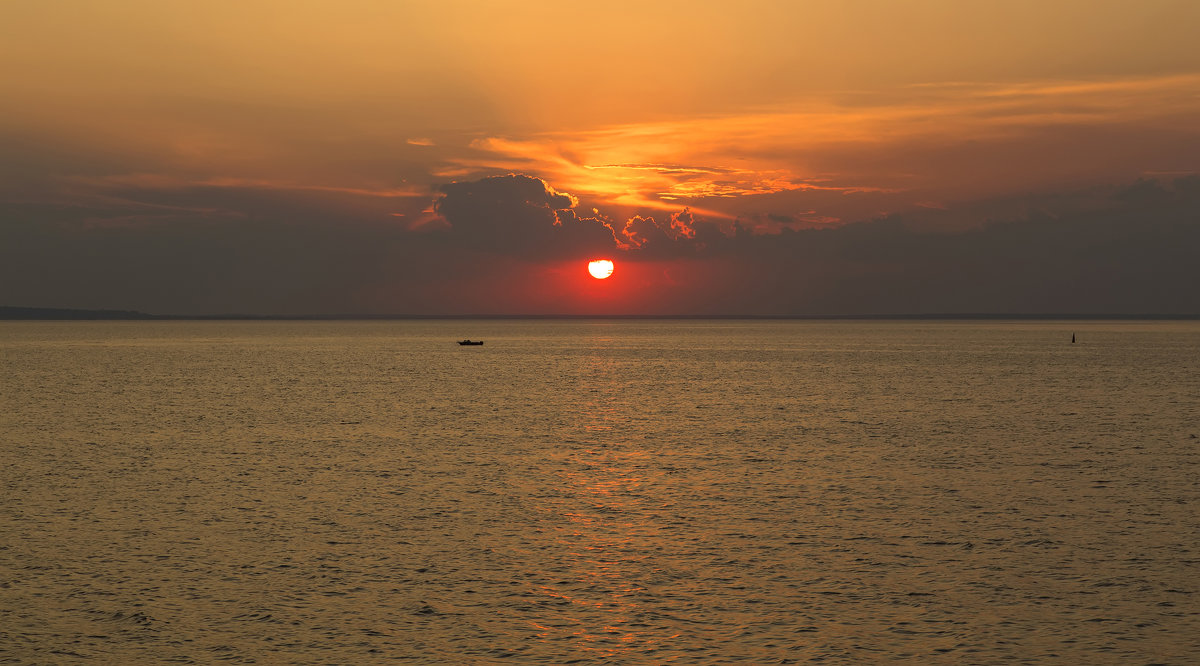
[(455, 157)]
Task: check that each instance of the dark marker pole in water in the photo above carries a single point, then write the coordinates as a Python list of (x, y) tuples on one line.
[(1072, 338)]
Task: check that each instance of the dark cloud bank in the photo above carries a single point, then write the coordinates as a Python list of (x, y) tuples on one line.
[(520, 216), (208, 250)]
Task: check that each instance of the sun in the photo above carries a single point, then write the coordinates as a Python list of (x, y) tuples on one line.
[(600, 268)]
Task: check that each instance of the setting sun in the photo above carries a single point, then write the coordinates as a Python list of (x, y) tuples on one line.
[(600, 268)]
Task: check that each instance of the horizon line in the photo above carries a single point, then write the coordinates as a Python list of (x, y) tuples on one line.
[(18, 313)]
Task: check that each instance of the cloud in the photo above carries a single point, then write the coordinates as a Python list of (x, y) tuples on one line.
[(164, 182), (682, 225), (520, 215), (679, 234), (638, 231), (1133, 250), (511, 244), (848, 155), (645, 233)]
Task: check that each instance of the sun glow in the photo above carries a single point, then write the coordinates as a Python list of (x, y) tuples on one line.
[(600, 268)]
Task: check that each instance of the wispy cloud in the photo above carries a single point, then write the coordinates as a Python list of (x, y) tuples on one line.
[(914, 139), (161, 181)]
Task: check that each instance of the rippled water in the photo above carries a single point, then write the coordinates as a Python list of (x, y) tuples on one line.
[(687, 492)]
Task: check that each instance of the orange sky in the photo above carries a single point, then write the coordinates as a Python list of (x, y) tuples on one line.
[(770, 115)]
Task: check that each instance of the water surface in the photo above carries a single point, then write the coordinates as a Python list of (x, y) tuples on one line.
[(600, 491)]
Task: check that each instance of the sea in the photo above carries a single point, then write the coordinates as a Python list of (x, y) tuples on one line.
[(600, 492)]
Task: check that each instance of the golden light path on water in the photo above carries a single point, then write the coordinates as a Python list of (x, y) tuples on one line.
[(609, 550), (600, 534)]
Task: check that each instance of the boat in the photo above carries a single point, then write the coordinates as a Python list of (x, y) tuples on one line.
[(471, 343)]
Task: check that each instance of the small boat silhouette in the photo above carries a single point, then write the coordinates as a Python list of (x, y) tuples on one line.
[(470, 342)]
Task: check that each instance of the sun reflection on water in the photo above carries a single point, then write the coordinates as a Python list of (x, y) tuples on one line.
[(604, 520)]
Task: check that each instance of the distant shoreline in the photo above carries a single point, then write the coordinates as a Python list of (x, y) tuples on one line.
[(9, 313)]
